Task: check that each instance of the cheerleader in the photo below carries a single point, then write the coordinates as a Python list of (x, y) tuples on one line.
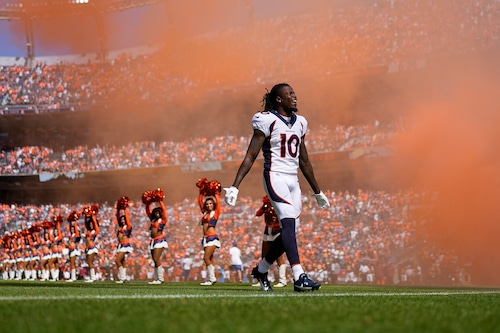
[(271, 231), (34, 241), (46, 244), (12, 264), (91, 232), (28, 245), (73, 242), (158, 218), (123, 235), (9, 259), (208, 200), (4, 262), (55, 248), (19, 254)]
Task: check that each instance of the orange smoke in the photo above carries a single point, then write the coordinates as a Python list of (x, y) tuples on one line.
[(451, 149)]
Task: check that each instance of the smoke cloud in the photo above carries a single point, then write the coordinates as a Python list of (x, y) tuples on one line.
[(450, 149)]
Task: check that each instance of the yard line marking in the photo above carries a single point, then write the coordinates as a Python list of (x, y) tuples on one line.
[(240, 295)]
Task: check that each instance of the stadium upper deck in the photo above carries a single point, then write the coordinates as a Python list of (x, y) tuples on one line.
[(392, 36)]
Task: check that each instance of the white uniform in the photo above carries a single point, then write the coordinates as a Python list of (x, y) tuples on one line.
[(281, 151)]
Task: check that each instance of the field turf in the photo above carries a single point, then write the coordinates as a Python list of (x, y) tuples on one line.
[(187, 307)]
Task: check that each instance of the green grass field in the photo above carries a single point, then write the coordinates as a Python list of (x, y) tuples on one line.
[(187, 307)]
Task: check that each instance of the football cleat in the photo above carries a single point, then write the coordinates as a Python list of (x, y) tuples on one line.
[(155, 282), (208, 283), (262, 278), (279, 285), (304, 283)]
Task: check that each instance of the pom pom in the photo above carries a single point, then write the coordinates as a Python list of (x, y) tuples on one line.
[(146, 197), (36, 227), (86, 211), (158, 195), (202, 183), (94, 209), (266, 201), (57, 218), (90, 210), (47, 225), (123, 202), (215, 187), (73, 216), (209, 188), (266, 207), (153, 196)]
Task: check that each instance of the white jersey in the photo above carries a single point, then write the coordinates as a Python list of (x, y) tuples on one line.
[(282, 146)]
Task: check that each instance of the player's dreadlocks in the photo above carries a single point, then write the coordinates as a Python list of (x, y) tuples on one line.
[(270, 97)]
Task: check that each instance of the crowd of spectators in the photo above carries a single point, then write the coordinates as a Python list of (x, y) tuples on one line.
[(33, 160), (376, 33), (367, 237)]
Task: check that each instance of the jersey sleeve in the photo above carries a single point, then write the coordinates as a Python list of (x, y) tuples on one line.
[(303, 122), (261, 122)]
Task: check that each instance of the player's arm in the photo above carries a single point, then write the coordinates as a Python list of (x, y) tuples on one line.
[(307, 168), (253, 151)]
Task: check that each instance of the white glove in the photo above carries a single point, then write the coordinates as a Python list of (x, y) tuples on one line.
[(322, 200), (231, 195)]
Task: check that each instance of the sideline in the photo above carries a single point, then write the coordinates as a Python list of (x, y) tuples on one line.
[(239, 295)]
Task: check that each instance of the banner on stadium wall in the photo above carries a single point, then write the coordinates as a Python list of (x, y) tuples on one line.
[(46, 176), (202, 166), (370, 152)]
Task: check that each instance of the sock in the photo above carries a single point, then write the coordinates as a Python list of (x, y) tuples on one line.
[(297, 270), (264, 266), (282, 273), (159, 272), (122, 273), (276, 250), (290, 241), (211, 273)]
